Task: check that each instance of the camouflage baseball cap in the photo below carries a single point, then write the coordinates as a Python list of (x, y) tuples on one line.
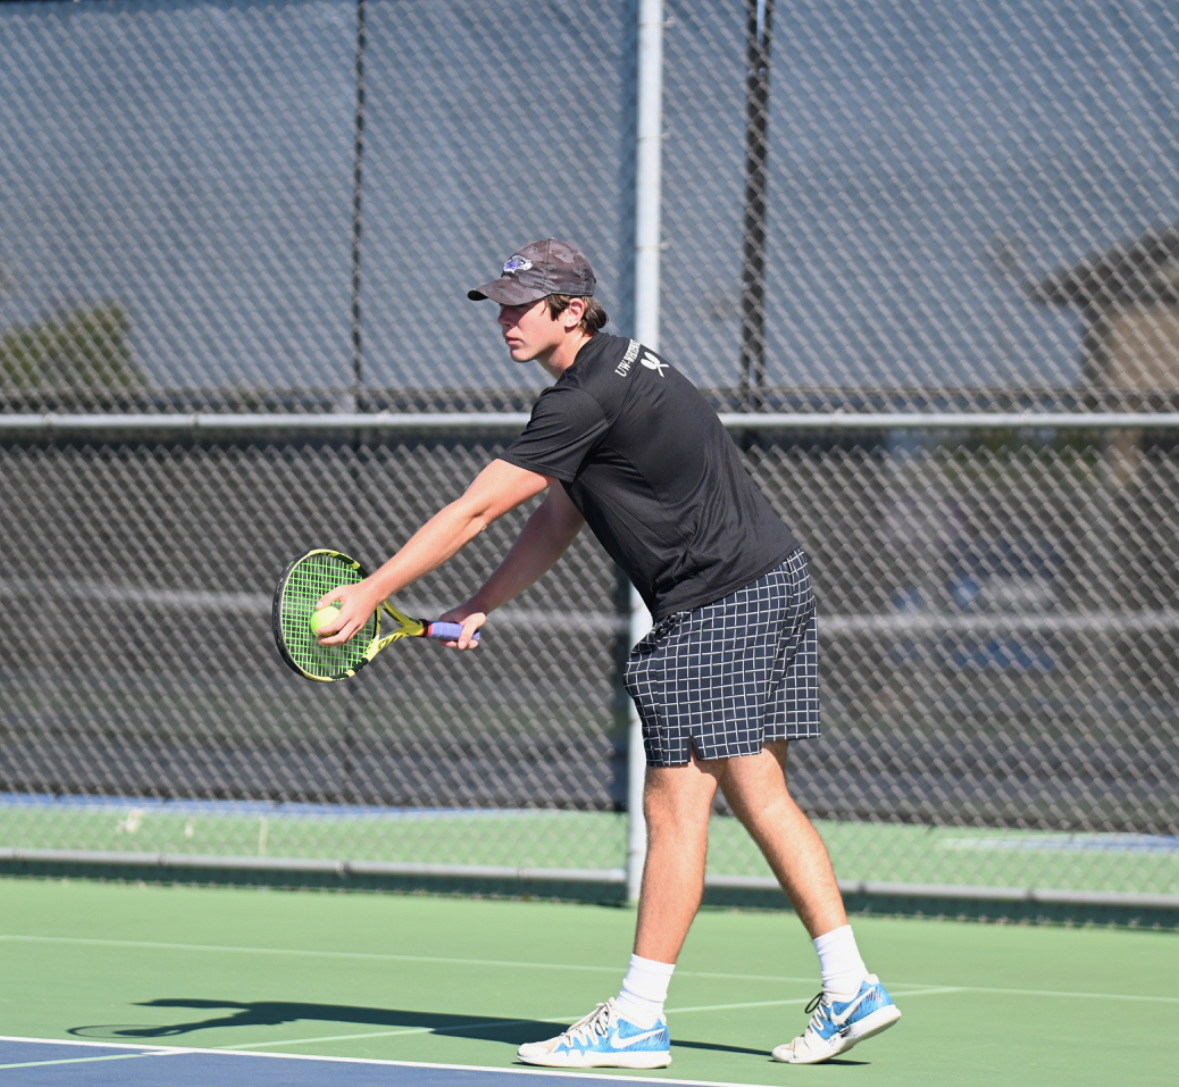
[(537, 270)]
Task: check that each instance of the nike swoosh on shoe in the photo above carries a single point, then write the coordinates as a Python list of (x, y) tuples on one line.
[(623, 1043)]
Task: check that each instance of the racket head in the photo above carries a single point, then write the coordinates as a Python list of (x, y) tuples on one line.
[(304, 581)]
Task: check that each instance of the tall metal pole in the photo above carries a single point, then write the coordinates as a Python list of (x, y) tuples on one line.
[(357, 208), (753, 227), (648, 173), (648, 193)]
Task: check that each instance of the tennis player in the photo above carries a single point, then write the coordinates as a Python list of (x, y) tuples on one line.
[(728, 674)]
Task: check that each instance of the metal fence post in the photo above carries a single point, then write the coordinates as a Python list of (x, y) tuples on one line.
[(647, 242)]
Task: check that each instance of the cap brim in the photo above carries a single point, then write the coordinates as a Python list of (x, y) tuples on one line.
[(507, 292)]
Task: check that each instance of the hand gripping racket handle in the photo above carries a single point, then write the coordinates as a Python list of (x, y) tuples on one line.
[(446, 632)]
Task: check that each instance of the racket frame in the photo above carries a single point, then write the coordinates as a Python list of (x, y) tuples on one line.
[(406, 626)]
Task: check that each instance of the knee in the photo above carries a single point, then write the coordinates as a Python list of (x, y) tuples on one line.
[(758, 801), (679, 796), (675, 813)]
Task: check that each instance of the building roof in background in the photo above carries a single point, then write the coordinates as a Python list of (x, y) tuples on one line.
[(1145, 269)]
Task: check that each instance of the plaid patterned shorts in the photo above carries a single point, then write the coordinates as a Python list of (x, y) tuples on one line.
[(726, 677)]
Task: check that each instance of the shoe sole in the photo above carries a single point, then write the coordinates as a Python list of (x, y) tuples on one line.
[(873, 1023), (599, 1060), (880, 1019)]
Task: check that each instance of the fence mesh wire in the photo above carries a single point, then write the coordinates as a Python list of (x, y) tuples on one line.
[(245, 207)]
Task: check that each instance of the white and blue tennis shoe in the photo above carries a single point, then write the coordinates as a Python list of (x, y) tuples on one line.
[(603, 1039), (837, 1025)]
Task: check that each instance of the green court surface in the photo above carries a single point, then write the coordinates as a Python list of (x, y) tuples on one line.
[(463, 981)]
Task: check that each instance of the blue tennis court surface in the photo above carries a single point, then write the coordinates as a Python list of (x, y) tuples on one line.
[(26, 1062)]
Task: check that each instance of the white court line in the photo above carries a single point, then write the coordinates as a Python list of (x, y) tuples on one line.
[(375, 956), (83, 1060), (905, 993), (150, 1051), (894, 984), (403, 1032), (163, 1051), (1065, 993), (556, 1019)]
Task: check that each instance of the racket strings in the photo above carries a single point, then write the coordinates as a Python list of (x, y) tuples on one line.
[(306, 583)]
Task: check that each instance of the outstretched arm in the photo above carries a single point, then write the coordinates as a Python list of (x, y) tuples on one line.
[(500, 487)]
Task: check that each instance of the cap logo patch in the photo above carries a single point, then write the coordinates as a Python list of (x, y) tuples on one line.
[(517, 264)]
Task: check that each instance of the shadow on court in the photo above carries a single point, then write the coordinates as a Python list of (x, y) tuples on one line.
[(270, 1013)]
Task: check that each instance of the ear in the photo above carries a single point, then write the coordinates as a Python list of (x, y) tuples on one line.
[(573, 313)]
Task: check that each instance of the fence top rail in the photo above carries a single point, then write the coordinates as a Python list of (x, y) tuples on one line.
[(436, 421), (309, 421)]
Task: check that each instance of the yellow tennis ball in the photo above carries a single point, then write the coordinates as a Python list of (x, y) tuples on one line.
[(323, 616)]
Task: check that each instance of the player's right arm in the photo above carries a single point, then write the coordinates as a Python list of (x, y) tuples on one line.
[(500, 487)]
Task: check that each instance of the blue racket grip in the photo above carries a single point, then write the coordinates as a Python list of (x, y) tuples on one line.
[(446, 632)]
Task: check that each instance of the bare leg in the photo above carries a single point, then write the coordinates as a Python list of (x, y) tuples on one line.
[(677, 803), (755, 787)]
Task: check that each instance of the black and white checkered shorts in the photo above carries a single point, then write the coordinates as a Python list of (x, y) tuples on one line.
[(727, 677)]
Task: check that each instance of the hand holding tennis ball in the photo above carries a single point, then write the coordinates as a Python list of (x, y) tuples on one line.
[(323, 617)]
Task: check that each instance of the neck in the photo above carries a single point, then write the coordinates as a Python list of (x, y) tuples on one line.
[(565, 353)]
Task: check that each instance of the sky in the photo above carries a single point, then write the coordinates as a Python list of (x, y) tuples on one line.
[(196, 162)]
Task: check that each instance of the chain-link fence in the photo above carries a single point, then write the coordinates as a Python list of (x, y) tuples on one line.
[(925, 258)]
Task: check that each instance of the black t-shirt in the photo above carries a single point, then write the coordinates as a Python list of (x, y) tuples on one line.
[(645, 459)]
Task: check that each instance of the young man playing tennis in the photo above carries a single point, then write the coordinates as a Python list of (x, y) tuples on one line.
[(727, 676)]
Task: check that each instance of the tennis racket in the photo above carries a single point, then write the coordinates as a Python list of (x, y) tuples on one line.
[(303, 583)]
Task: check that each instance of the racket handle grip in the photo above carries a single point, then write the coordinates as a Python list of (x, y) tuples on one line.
[(446, 632)]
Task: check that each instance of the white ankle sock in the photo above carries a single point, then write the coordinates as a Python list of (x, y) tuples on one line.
[(644, 990), (840, 963)]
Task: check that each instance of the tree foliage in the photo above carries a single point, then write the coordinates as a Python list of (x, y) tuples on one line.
[(85, 348)]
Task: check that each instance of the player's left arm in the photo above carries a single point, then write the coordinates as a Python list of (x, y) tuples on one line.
[(500, 487), (545, 537)]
